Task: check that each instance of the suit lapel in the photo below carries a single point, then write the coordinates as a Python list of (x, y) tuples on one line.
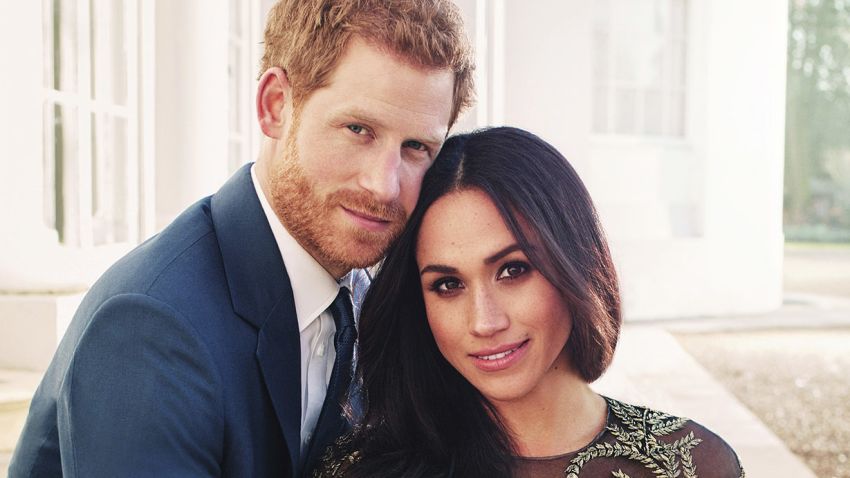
[(262, 295), (279, 356)]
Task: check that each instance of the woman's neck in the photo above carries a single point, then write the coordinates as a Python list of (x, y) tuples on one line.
[(561, 415)]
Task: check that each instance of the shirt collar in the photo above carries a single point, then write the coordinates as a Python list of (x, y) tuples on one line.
[(313, 288)]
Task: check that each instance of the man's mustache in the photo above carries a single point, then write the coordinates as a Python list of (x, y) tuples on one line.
[(364, 204)]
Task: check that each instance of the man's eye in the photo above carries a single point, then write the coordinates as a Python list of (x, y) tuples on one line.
[(415, 145), (513, 270), (356, 128)]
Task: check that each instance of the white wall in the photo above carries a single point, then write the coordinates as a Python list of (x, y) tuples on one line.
[(694, 224)]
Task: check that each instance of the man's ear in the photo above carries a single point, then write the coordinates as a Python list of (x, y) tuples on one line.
[(273, 92)]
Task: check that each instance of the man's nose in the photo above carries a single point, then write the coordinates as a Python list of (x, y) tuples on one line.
[(380, 175), (487, 316)]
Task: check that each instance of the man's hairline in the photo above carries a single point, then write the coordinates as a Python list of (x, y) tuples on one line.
[(300, 98)]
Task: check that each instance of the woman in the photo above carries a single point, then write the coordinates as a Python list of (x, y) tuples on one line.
[(490, 316)]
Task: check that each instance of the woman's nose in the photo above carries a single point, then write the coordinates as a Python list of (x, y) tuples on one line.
[(488, 317)]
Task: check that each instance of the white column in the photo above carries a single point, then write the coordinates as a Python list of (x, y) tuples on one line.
[(744, 147), (191, 103)]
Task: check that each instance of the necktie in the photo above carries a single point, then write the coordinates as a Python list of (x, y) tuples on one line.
[(346, 335), (331, 422)]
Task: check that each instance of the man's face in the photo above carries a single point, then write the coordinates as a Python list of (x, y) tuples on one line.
[(355, 154)]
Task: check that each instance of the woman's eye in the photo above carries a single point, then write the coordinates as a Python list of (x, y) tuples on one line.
[(446, 286), (356, 129), (513, 270)]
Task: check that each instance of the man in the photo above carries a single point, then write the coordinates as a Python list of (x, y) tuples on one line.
[(207, 350)]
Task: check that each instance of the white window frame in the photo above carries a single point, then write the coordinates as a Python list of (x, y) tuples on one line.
[(610, 84), (138, 180), (243, 140)]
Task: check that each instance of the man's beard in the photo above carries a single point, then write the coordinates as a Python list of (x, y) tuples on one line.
[(317, 223)]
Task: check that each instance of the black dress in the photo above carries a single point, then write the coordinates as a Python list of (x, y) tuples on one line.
[(640, 442), (637, 442)]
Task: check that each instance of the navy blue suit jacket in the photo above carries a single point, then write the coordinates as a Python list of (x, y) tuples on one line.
[(183, 359)]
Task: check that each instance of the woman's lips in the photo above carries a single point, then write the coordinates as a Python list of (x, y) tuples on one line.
[(499, 358), (372, 223)]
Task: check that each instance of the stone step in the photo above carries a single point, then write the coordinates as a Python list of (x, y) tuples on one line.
[(5, 458), (16, 390), (33, 325)]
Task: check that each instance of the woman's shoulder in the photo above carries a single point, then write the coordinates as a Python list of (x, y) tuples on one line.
[(654, 440)]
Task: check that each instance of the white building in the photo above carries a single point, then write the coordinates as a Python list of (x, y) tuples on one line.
[(119, 114)]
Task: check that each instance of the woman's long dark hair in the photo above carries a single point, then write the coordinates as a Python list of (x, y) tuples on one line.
[(421, 417)]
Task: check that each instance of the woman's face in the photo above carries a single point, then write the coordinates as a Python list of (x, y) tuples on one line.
[(495, 318)]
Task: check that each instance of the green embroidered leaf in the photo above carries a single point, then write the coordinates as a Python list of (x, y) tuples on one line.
[(637, 437), (688, 464), (666, 427)]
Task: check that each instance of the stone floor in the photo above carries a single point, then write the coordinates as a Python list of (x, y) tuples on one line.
[(789, 367), (794, 380)]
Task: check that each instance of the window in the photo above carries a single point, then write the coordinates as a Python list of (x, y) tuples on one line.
[(239, 67), (639, 67), (91, 158)]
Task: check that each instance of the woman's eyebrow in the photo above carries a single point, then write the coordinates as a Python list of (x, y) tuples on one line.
[(438, 268), (489, 260), (495, 257)]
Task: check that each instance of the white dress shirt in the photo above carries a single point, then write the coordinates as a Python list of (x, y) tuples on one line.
[(314, 290)]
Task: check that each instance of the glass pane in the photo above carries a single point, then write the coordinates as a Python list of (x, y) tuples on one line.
[(625, 58), (653, 69), (677, 66), (660, 23), (678, 19), (96, 175), (600, 110), (645, 77), (600, 57), (61, 44), (626, 111), (119, 187), (235, 17), (110, 203), (235, 89), (653, 109), (677, 114), (602, 14), (109, 54), (49, 164), (634, 33), (61, 164)]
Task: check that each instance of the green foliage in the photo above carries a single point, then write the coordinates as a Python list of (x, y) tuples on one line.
[(817, 149)]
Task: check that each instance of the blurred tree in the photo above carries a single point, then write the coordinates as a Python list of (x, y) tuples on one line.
[(817, 147)]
